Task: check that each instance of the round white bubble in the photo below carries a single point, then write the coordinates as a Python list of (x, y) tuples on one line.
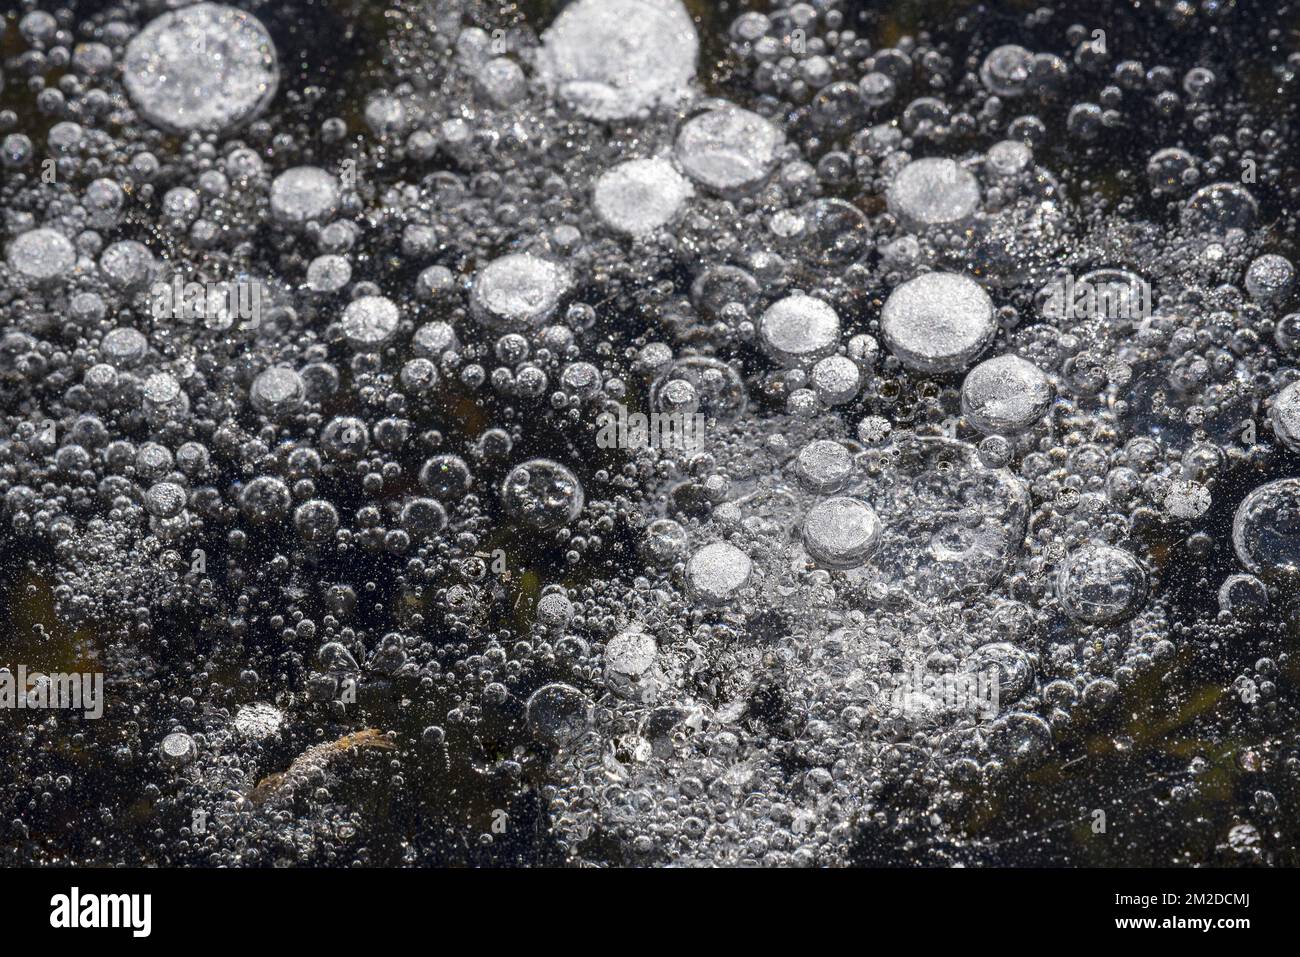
[(277, 391), (836, 380), (841, 532), (1270, 278), (629, 663), (41, 255), (933, 192), (1008, 159), (799, 329), (728, 150), (614, 59), (1005, 395), (304, 194), (938, 322), (1187, 500), (258, 720), (823, 465), (370, 321), (640, 196), (715, 572), (204, 67), (178, 748), (518, 291)]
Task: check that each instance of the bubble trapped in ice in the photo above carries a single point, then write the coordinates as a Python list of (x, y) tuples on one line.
[(951, 363), (207, 66), (1005, 395), (614, 59)]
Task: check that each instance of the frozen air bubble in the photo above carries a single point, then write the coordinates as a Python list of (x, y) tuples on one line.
[(949, 524), (164, 500), (1012, 666), (518, 291), (1285, 416), (640, 196), (1005, 395), (42, 255), (178, 749), (164, 398), (614, 59), (502, 81), (542, 493), (629, 662), (328, 273), (1168, 168), (258, 721), (304, 194), (1220, 207), (1243, 595), (1101, 584), (432, 339), (1187, 500), (1266, 529), (665, 541), (206, 67), (423, 518), (933, 192), (127, 265), (558, 714), (823, 466), (729, 150), (277, 391), (715, 572), (830, 234), (370, 321), (264, 500), (554, 610), (1270, 278), (840, 533), (446, 476), (937, 322), (718, 390), (316, 520), (1009, 159), (1006, 70), (836, 380), (799, 329)]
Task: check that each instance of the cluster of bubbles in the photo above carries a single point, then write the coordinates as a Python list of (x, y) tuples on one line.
[(345, 536)]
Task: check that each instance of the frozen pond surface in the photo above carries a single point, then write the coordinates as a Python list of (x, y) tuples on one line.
[(633, 432)]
